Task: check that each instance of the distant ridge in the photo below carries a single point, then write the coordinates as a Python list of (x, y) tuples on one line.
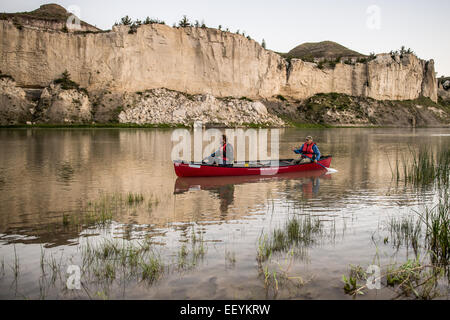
[(324, 49), (49, 13)]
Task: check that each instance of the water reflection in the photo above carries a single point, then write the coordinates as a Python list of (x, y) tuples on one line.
[(46, 175), (224, 187)]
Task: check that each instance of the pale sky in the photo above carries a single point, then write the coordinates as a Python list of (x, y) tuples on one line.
[(361, 25)]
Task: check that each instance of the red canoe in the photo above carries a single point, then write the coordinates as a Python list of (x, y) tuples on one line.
[(183, 169), (184, 184)]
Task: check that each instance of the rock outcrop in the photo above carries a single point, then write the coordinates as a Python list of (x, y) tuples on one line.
[(165, 106), (15, 108), (199, 61), (63, 106)]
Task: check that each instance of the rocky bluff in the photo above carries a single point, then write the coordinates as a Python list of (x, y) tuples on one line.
[(160, 74), (199, 61)]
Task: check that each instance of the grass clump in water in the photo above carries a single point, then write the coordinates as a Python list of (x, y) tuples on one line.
[(437, 222), (135, 198), (190, 258), (100, 212), (410, 279), (110, 258), (426, 168), (405, 231), (297, 232)]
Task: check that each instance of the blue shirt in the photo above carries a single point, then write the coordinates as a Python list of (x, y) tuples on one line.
[(315, 150)]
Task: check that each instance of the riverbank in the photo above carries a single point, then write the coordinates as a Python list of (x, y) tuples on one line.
[(65, 104), (341, 110)]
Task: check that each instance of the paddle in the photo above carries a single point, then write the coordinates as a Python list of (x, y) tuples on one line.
[(329, 170)]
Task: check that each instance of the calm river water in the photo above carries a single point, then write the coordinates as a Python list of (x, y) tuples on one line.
[(47, 177)]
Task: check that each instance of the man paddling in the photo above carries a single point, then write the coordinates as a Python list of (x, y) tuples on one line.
[(223, 155), (308, 151)]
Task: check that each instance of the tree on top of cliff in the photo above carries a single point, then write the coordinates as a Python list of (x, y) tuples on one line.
[(184, 22), (148, 20), (263, 43), (126, 21)]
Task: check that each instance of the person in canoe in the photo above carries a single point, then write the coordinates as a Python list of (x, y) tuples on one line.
[(308, 152), (224, 155)]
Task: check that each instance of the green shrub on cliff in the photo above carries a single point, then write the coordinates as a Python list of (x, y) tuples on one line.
[(67, 84), (149, 20), (126, 21), (184, 22)]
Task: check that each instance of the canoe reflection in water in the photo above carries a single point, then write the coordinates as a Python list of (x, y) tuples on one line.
[(223, 187)]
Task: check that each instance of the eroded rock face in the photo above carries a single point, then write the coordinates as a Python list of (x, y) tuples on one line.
[(14, 107), (165, 106), (199, 61), (63, 106)]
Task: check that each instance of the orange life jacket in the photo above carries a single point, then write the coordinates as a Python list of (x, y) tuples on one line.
[(307, 149)]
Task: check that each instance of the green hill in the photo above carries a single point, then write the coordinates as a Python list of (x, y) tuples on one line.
[(47, 12), (324, 49)]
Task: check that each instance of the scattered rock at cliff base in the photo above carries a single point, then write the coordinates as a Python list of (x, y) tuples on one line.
[(344, 110), (63, 106), (162, 106), (15, 108)]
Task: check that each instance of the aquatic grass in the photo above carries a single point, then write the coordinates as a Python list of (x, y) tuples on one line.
[(55, 267), (152, 269), (135, 198), (419, 279), (2, 268), (230, 258), (413, 278), (65, 220), (16, 265), (152, 202), (106, 271), (405, 231), (105, 259), (297, 232), (278, 275), (437, 222), (182, 254), (293, 238), (424, 169), (101, 211), (188, 258)]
